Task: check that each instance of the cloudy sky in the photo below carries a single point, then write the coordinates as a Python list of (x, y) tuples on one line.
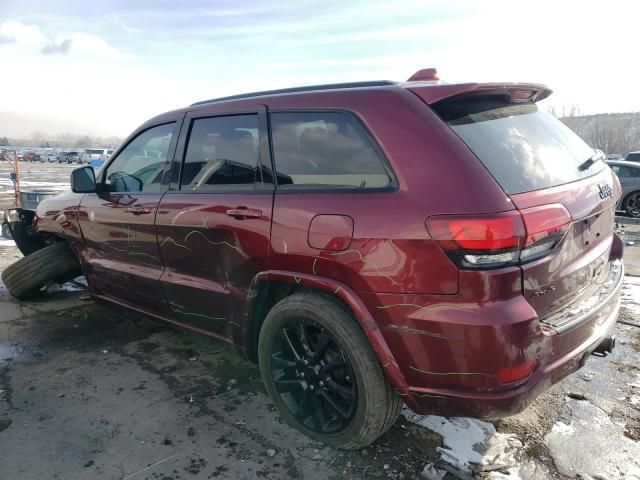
[(104, 67)]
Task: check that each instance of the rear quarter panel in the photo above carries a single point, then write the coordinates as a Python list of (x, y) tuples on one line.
[(391, 250)]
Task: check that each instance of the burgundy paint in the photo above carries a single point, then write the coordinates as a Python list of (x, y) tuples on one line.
[(419, 312), (331, 232)]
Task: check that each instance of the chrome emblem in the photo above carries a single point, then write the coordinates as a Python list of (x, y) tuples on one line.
[(544, 291), (605, 191)]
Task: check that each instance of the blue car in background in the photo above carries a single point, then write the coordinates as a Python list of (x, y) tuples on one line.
[(96, 164)]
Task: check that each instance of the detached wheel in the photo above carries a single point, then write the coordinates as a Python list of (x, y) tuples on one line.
[(632, 204), (322, 373), (52, 264)]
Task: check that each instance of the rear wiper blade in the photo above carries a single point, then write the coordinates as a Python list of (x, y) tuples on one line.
[(588, 162)]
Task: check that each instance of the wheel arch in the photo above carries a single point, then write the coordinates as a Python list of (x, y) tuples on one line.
[(268, 288)]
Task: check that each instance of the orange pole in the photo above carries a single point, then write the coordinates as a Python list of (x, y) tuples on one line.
[(15, 165)]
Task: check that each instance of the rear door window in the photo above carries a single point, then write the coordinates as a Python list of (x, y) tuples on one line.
[(523, 147), (222, 154), (319, 150)]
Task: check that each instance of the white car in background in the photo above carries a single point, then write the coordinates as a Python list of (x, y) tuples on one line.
[(90, 154), (49, 156)]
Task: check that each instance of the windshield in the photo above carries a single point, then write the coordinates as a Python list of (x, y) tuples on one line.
[(523, 147)]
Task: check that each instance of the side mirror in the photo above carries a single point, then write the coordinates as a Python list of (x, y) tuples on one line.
[(83, 180)]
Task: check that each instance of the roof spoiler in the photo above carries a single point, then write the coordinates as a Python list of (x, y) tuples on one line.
[(519, 92)]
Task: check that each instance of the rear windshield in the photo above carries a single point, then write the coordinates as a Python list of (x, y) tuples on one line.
[(523, 147), (633, 157)]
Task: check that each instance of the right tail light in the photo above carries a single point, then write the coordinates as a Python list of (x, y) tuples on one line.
[(501, 239)]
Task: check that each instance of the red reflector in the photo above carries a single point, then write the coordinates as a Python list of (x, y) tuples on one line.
[(521, 95), (545, 221), (478, 233), (424, 74), (513, 374)]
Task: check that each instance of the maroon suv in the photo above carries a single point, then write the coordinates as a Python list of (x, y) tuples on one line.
[(446, 246)]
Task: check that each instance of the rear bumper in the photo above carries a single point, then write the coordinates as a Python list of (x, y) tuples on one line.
[(491, 405)]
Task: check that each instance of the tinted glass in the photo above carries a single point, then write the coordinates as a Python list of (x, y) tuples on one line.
[(625, 171), (523, 147), (325, 149), (633, 157), (140, 166), (222, 153)]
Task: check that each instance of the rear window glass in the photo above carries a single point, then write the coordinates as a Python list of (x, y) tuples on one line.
[(633, 157), (325, 150), (523, 147)]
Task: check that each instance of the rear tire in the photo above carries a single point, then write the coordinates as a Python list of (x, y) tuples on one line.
[(336, 394), (631, 204), (52, 264)]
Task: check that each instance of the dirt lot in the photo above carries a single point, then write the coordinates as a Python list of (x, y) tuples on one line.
[(88, 391)]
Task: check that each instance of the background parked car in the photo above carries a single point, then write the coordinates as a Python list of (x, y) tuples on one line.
[(32, 156), (74, 157), (69, 156), (614, 156), (629, 175), (633, 157), (96, 154), (50, 156)]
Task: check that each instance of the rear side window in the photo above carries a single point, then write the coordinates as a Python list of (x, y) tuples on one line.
[(325, 150), (633, 157), (523, 147), (222, 154)]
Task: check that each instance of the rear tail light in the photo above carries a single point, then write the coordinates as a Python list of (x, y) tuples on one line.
[(508, 238), (513, 374)]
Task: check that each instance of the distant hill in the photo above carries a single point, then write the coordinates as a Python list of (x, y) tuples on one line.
[(610, 132)]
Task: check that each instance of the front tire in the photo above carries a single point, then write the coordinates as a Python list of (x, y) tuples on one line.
[(322, 374), (52, 264)]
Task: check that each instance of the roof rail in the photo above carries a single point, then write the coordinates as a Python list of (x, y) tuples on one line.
[(311, 88)]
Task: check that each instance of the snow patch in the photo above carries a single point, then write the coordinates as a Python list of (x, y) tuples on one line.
[(470, 445), (592, 445), (5, 242), (69, 287), (562, 428), (631, 294)]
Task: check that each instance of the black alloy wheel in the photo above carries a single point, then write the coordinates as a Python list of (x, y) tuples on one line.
[(313, 376)]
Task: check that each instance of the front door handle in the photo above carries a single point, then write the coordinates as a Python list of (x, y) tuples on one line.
[(138, 210), (241, 213)]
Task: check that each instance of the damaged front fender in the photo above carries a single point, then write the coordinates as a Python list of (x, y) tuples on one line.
[(20, 225)]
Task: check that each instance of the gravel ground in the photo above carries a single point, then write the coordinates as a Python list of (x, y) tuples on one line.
[(88, 391)]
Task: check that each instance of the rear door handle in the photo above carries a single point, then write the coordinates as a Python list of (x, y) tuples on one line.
[(240, 213), (138, 210)]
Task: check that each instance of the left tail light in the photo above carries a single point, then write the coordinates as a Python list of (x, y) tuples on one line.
[(502, 239)]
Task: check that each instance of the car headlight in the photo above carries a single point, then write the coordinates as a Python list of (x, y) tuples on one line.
[(11, 215)]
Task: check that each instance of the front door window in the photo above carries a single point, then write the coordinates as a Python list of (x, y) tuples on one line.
[(140, 166)]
